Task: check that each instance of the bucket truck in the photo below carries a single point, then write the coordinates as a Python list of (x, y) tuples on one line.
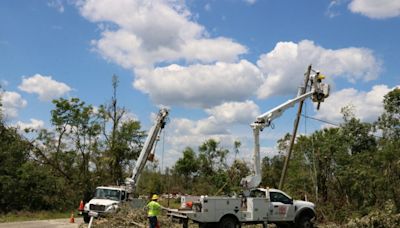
[(108, 198), (257, 205), (147, 152), (319, 91)]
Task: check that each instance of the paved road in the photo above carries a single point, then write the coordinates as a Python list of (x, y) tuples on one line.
[(54, 223)]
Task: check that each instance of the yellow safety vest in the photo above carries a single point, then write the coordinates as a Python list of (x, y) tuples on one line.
[(153, 208)]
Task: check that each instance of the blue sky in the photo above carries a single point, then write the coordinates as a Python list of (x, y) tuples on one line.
[(216, 64)]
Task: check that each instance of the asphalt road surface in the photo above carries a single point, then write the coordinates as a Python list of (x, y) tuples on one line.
[(53, 223)]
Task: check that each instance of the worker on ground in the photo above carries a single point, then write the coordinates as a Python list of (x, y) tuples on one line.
[(153, 209)]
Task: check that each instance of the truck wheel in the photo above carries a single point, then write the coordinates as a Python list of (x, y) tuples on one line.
[(228, 222), (305, 222), (206, 225), (86, 218)]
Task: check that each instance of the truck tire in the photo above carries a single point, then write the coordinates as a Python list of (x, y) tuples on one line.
[(86, 218), (207, 225), (228, 222), (305, 222)]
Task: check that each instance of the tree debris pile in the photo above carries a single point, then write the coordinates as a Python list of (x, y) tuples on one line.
[(128, 217), (378, 218)]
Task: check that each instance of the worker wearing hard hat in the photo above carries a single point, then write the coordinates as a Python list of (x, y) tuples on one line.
[(153, 209)]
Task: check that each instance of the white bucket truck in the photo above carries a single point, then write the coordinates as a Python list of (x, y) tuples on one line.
[(258, 205), (108, 198), (262, 206)]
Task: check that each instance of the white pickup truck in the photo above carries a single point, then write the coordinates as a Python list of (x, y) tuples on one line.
[(263, 206)]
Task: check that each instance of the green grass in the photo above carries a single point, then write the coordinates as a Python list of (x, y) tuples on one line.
[(20, 216)]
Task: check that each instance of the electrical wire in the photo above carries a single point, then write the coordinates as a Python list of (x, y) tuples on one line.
[(320, 120)]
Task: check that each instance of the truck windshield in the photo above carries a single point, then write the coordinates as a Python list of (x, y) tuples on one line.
[(102, 193)]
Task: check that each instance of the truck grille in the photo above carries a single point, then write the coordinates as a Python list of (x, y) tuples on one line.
[(94, 207)]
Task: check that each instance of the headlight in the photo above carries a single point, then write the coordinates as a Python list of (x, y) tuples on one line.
[(111, 208)]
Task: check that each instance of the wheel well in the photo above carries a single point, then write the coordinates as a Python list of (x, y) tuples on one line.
[(305, 212), (229, 216)]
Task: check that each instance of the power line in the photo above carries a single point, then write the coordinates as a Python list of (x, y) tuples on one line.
[(334, 124), (320, 120)]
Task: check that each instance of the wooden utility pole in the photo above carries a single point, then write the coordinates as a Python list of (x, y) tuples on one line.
[(296, 125)]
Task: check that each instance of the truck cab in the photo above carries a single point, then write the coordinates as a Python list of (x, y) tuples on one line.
[(106, 200), (283, 210)]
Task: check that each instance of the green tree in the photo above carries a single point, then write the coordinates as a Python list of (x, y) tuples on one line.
[(271, 169), (187, 166), (77, 131), (236, 172), (212, 161), (211, 157), (25, 182), (358, 134), (123, 142), (237, 145), (14, 152), (151, 180), (389, 147)]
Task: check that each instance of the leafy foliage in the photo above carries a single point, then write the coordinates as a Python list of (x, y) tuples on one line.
[(63, 165)]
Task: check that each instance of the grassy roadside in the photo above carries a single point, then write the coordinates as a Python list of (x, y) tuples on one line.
[(21, 216)]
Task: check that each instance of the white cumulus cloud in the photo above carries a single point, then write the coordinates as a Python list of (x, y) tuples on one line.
[(284, 65), (44, 86), (199, 85), (33, 124), (377, 9), (143, 33), (202, 128), (366, 105), (235, 112), (12, 102), (184, 132)]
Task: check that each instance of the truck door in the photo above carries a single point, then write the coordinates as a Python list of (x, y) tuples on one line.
[(281, 207)]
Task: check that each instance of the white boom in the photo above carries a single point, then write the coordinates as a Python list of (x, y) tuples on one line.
[(148, 149), (319, 91)]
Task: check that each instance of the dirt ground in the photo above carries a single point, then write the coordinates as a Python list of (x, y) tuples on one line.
[(128, 217)]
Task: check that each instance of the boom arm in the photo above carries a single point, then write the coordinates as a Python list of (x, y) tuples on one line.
[(148, 148), (319, 91)]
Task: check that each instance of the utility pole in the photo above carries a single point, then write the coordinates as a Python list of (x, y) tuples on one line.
[(302, 91)]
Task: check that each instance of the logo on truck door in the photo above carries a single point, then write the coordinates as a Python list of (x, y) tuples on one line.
[(282, 210)]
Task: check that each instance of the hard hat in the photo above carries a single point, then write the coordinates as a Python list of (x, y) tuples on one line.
[(155, 197), (321, 76)]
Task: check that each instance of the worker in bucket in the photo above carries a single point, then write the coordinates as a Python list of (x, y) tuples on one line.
[(153, 209)]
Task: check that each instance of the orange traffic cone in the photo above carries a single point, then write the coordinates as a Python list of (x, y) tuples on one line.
[(72, 220), (81, 206)]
